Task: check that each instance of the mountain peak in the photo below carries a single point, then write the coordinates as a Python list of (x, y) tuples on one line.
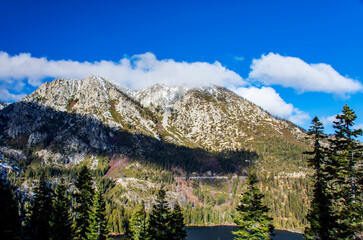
[(3, 104), (138, 133), (116, 85), (160, 95), (209, 117)]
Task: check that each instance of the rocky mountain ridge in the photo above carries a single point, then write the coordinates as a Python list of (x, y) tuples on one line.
[(212, 118), (159, 135), (3, 105)]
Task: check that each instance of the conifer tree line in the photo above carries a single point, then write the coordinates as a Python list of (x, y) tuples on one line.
[(56, 215), (80, 215), (336, 208), (252, 216), (161, 223)]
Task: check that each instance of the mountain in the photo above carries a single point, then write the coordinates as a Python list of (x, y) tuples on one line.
[(212, 118), (199, 141), (3, 104)]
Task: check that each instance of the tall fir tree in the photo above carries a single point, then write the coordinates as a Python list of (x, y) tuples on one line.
[(177, 224), (138, 223), (320, 214), (160, 219), (10, 227), (84, 197), (125, 221), (40, 211), (252, 216), (345, 174), (97, 228), (61, 220)]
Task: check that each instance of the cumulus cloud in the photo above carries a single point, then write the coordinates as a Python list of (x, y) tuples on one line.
[(268, 99), (299, 117), (271, 101), (359, 126), (9, 97), (137, 72), (328, 121), (274, 69)]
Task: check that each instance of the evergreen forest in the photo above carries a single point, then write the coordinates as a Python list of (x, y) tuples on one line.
[(322, 202)]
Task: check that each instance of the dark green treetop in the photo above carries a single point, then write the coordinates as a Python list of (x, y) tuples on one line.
[(97, 228), (10, 227), (84, 197), (320, 214), (40, 211), (138, 223), (160, 218), (177, 224), (61, 220), (252, 216), (345, 173)]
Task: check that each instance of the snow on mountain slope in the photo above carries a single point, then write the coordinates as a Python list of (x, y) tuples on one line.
[(160, 96)]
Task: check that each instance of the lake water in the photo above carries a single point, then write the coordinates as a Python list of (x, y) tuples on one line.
[(224, 233)]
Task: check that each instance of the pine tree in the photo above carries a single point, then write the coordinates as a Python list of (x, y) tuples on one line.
[(177, 224), (83, 205), (61, 220), (320, 215), (251, 218), (345, 174), (160, 219), (125, 222), (40, 211), (97, 228), (138, 223), (10, 227)]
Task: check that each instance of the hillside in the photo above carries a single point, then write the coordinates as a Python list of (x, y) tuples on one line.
[(3, 104), (199, 142)]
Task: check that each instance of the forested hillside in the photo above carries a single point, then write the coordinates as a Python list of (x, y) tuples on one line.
[(198, 143)]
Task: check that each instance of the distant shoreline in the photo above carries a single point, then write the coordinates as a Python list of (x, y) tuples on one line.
[(233, 225), (217, 225)]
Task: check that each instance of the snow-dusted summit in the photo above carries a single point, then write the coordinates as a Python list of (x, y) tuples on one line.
[(160, 96)]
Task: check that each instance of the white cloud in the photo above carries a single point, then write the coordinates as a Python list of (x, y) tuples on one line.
[(299, 117), (239, 58), (274, 69), (328, 121), (328, 124), (270, 100), (9, 97), (137, 72), (359, 126)]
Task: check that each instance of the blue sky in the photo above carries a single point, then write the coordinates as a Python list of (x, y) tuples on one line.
[(297, 59)]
